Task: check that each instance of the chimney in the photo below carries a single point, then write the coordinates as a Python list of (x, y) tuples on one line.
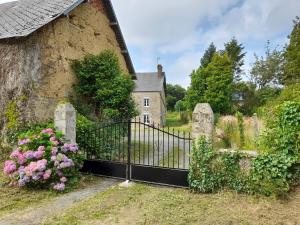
[(160, 71)]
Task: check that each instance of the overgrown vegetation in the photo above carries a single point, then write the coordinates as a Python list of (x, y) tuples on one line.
[(275, 172)]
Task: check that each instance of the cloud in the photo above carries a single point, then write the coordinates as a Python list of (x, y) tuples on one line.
[(180, 31)]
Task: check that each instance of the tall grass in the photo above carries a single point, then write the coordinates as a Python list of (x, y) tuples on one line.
[(236, 135)]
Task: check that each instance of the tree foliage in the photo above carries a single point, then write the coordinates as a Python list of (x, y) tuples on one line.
[(102, 84), (268, 70), (212, 84), (235, 53), (292, 56), (208, 55), (174, 94)]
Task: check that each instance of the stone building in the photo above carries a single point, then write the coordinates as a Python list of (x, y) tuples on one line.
[(39, 39), (149, 96)]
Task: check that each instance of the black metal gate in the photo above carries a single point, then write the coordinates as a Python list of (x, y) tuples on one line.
[(134, 150)]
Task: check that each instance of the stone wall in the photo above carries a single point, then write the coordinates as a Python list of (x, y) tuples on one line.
[(156, 109), (38, 66)]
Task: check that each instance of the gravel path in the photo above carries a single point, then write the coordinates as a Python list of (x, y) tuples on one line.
[(164, 146), (35, 216)]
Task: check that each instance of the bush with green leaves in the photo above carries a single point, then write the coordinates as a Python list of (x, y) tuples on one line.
[(104, 87), (278, 170), (211, 171)]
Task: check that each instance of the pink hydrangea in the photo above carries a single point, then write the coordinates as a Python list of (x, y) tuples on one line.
[(24, 141), (63, 179), (21, 159), (29, 154), (38, 154), (70, 147), (41, 148), (54, 151), (41, 165), (59, 187), (47, 174), (30, 169), (15, 154), (48, 131), (9, 167)]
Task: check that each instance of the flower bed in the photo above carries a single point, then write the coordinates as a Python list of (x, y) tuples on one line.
[(43, 160)]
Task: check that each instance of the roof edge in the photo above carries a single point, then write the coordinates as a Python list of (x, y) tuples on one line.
[(119, 35)]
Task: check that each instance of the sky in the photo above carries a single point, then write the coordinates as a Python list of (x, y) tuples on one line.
[(176, 33)]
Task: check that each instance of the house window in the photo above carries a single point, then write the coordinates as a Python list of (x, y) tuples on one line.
[(146, 102), (146, 118)]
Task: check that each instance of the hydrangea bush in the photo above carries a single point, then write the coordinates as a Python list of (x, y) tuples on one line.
[(43, 160)]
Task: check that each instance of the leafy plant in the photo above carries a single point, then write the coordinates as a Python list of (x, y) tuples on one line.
[(278, 170), (102, 84), (211, 171)]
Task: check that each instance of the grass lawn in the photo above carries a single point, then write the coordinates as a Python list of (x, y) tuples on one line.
[(144, 204), (174, 122)]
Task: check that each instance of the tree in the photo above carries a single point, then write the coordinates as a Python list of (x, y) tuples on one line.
[(212, 84), (268, 70), (292, 56), (235, 53), (180, 106), (174, 93), (219, 79), (208, 55), (195, 93), (102, 84)]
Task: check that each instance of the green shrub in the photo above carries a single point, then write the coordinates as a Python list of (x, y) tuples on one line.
[(278, 170), (211, 171)]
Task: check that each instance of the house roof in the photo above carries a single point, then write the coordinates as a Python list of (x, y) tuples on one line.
[(23, 17), (149, 82)]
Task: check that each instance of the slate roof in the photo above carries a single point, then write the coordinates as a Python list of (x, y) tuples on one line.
[(149, 82), (23, 17)]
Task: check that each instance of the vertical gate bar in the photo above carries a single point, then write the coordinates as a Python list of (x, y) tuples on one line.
[(189, 148), (144, 145), (119, 141), (123, 134), (139, 140), (110, 127), (101, 130), (128, 176), (158, 145), (94, 139), (183, 149), (115, 140), (153, 156), (163, 141), (168, 146), (148, 128), (173, 153), (134, 140), (178, 141), (99, 139)]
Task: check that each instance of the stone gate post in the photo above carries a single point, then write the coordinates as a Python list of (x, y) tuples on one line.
[(65, 121), (203, 121)]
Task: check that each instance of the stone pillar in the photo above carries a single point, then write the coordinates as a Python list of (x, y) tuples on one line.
[(65, 121), (203, 121)]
